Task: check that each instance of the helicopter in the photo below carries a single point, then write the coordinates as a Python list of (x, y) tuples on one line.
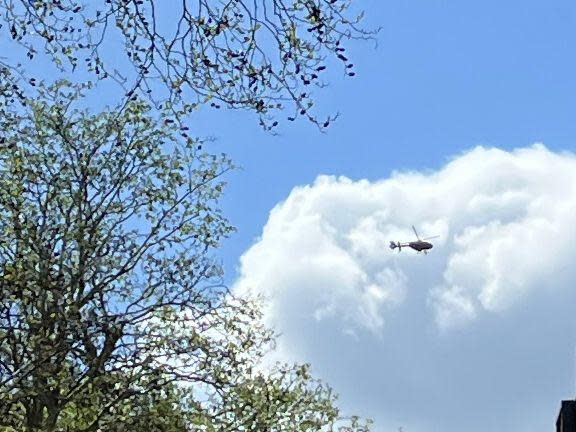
[(419, 246)]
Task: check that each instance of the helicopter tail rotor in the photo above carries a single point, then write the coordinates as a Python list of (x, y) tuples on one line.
[(395, 245)]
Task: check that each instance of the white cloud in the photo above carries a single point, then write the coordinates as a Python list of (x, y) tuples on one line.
[(505, 252)]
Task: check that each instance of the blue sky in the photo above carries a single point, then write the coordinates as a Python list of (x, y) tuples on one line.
[(446, 76), (480, 334)]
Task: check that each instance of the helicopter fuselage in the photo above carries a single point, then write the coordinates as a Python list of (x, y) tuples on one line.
[(420, 245)]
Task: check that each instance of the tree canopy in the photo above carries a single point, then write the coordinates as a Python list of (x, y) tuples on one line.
[(111, 307), (113, 313), (263, 55)]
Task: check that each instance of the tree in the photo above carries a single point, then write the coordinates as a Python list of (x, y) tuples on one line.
[(112, 311), (262, 55), (102, 230)]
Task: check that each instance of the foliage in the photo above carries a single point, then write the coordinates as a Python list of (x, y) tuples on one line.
[(261, 55), (112, 312), (113, 315)]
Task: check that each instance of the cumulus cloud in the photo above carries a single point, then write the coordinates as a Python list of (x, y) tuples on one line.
[(505, 221), (504, 255)]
